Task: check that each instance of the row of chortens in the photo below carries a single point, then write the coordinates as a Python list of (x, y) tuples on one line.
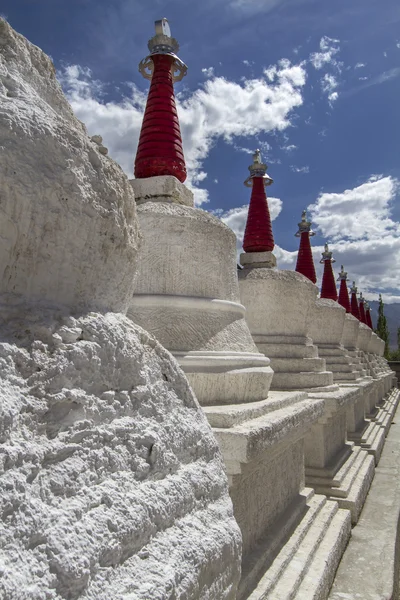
[(171, 426)]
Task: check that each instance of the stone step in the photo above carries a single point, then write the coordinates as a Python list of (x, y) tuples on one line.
[(304, 549), (384, 420), (317, 583), (356, 485), (297, 365), (372, 440), (346, 377), (300, 381)]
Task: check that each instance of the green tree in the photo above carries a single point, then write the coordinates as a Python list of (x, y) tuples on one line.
[(381, 327)]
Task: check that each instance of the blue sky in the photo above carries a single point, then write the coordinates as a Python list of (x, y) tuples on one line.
[(315, 85)]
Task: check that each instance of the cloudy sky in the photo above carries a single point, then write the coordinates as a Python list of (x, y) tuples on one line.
[(315, 85)]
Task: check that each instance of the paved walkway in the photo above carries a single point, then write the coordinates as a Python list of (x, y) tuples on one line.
[(369, 569)]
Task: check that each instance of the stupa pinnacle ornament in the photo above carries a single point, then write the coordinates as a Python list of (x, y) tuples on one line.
[(353, 303), (160, 144), (368, 319), (361, 310), (344, 299), (258, 236), (328, 288), (305, 261)]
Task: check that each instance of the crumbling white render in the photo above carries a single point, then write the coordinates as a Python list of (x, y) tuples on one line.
[(112, 484)]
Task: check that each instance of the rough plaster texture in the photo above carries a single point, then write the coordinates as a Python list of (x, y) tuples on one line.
[(363, 338), (277, 302), (68, 232), (165, 188), (326, 321), (112, 483), (279, 325), (262, 445), (350, 332), (187, 295)]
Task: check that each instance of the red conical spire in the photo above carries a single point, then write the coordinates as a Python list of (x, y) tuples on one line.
[(354, 304), (258, 235), (328, 288), (361, 309), (305, 261), (368, 315), (344, 299), (160, 144)]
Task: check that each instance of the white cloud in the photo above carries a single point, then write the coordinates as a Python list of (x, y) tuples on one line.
[(219, 109), (329, 47), (360, 65), (362, 233), (289, 148), (208, 72), (333, 97), (328, 83), (358, 213), (295, 169), (398, 45)]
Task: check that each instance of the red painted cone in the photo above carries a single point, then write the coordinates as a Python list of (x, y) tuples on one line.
[(328, 288), (305, 261), (160, 144), (344, 299), (258, 236)]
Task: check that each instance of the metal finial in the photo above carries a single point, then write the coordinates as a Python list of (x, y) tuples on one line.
[(258, 169), (304, 225), (327, 255), (366, 305), (353, 288), (163, 43), (342, 274), (361, 298)]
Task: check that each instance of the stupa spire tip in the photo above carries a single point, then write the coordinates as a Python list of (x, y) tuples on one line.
[(304, 225), (258, 169)]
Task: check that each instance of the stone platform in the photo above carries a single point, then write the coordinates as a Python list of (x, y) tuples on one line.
[(283, 524), (370, 567), (305, 566), (335, 466)]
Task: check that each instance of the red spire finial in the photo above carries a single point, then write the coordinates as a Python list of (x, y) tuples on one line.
[(328, 288), (354, 304), (368, 319), (361, 309), (305, 261), (258, 235), (160, 144), (344, 299)]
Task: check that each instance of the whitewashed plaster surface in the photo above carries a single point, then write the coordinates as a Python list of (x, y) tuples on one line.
[(326, 322), (112, 484), (350, 331), (111, 480), (277, 302), (68, 232)]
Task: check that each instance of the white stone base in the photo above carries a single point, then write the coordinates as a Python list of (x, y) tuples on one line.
[(305, 567), (350, 483), (263, 448), (339, 362), (295, 362), (371, 439)]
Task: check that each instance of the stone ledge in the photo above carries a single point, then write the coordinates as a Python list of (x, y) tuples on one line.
[(165, 188), (370, 566)]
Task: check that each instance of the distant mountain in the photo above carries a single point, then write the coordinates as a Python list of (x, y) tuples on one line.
[(392, 314)]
